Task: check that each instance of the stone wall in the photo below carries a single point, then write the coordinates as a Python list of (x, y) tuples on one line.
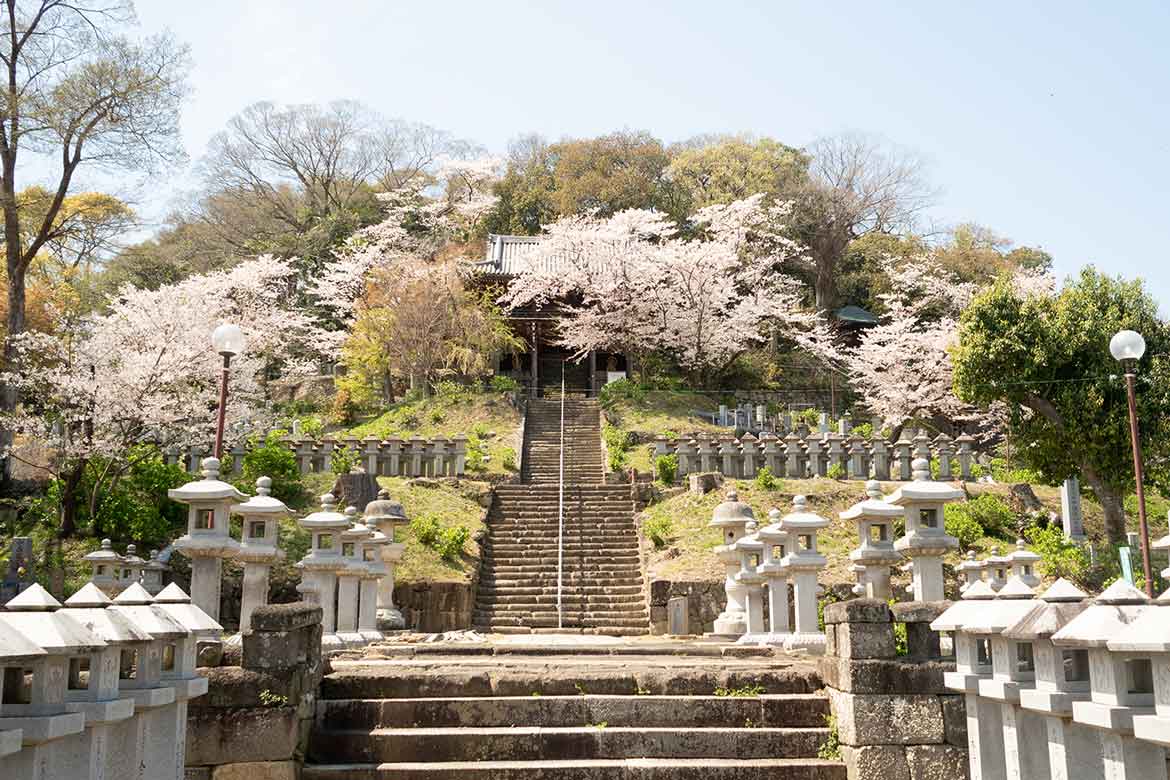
[(433, 607), (254, 721), (705, 601), (895, 718)]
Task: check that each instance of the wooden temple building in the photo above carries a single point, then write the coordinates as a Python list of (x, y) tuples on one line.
[(539, 368)]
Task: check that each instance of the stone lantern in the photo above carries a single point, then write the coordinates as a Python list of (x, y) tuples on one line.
[(803, 561), (349, 578), (997, 567), (774, 538), (1149, 637), (323, 562), (42, 709), (1023, 564), (1121, 685), (153, 574), (132, 566), (20, 656), (1061, 677), (925, 542), (105, 705), (972, 571), (751, 551), (385, 515), (731, 518), (106, 568), (261, 515), (375, 571), (875, 527), (208, 539)]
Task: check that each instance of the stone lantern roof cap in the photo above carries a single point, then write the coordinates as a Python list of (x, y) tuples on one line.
[(262, 503), (384, 509), (731, 512), (1045, 619), (1015, 589), (172, 594), (979, 591), (873, 508), (801, 519), (35, 616), (327, 518), (1022, 554), (90, 595), (190, 617), (967, 609), (104, 554), (1150, 633), (923, 488), (774, 531), (376, 537), (750, 540), (14, 647), (997, 615), (971, 564), (995, 559), (131, 558), (1121, 592), (356, 531), (1063, 591), (109, 624), (134, 596), (1106, 617), (210, 488)]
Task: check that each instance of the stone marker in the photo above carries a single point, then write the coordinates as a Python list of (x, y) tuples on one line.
[(1070, 509), (678, 618)]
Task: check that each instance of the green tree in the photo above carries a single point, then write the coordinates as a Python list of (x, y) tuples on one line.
[(1047, 357), (721, 169)]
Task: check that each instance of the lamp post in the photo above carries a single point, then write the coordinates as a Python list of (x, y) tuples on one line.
[(1127, 347), (228, 341)]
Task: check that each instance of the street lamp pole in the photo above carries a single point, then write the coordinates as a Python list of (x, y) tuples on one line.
[(1128, 347), (228, 341)]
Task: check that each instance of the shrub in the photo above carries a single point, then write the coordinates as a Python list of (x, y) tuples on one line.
[(864, 430), (666, 468), (830, 749), (962, 525), (451, 542), (1003, 471), (659, 530), (989, 512), (426, 529), (436, 416), (270, 457), (835, 471), (344, 459), (480, 429), (765, 480), (1063, 558), (504, 384), (344, 409), (476, 450), (508, 458), (617, 444), (621, 390), (449, 392)]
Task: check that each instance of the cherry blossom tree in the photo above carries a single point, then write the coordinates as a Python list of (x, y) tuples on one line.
[(145, 371), (632, 283)]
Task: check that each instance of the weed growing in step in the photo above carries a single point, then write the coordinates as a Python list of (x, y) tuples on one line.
[(537, 693), (580, 688), (830, 749), (598, 726), (640, 691), (270, 699), (743, 692)]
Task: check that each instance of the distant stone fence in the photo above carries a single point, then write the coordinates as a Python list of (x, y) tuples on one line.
[(392, 457), (801, 454)]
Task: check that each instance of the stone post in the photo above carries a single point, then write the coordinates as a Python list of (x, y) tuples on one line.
[(260, 515), (687, 451), (816, 462), (730, 456), (823, 423), (393, 446), (926, 541), (858, 465), (328, 444), (375, 571), (751, 551), (837, 453), (1148, 638), (946, 453), (707, 456), (966, 456), (322, 563), (731, 518), (881, 459), (208, 539), (349, 579), (922, 446), (895, 720), (305, 456), (794, 467), (875, 527), (775, 542), (372, 446), (723, 415), (773, 454), (385, 515), (845, 424), (750, 451), (803, 561), (902, 459), (417, 445), (1070, 510)]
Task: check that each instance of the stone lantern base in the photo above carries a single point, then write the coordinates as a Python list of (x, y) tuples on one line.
[(811, 643)]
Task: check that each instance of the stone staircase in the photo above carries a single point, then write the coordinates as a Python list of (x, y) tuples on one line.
[(542, 442), (569, 717), (603, 589)]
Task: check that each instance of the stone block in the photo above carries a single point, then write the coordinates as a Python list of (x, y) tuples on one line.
[(875, 762), (223, 736), (937, 762), (877, 675), (660, 592), (922, 642), (887, 719), (705, 483), (276, 649), (232, 686), (864, 640), (256, 770), (954, 710), (858, 611), (678, 615), (919, 611), (830, 639), (285, 617)]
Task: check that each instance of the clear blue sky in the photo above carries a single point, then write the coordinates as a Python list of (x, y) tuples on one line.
[(1050, 124)]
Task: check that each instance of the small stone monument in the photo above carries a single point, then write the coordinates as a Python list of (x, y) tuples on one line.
[(1070, 510), (926, 541), (386, 514), (260, 517), (803, 561), (731, 518), (678, 617), (208, 539), (105, 568), (875, 527), (775, 541)]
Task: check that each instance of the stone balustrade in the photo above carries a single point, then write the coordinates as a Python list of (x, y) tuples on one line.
[(799, 454), (391, 457), (100, 687)]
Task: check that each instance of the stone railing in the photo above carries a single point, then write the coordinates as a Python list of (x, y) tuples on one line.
[(255, 719), (392, 457), (98, 688), (798, 455), (1060, 685)]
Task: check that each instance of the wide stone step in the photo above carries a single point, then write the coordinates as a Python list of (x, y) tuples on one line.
[(794, 710), (523, 587), (590, 769), (532, 743)]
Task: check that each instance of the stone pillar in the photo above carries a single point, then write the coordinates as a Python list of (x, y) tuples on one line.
[(793, 467), (686, 452), (305, 456), (946, 454), (438, 452), (966, 456), (881, 459), (393, 446), (323, 561), (816, 463), (858, 465), (902, 459), (1070, 510), (385, 515), (349, 579), (750, 451), (730, 457), (731, 518), (802, 562), (372, 446), (707, 456), (775, 540), (772, 454), (417, 445)]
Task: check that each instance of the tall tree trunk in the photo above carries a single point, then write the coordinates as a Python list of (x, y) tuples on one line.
[(1112, 503), (70, 500), (13, 249)]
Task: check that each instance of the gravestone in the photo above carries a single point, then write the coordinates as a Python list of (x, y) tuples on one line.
[(678, 616), (1070, 509), (19, 575)]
